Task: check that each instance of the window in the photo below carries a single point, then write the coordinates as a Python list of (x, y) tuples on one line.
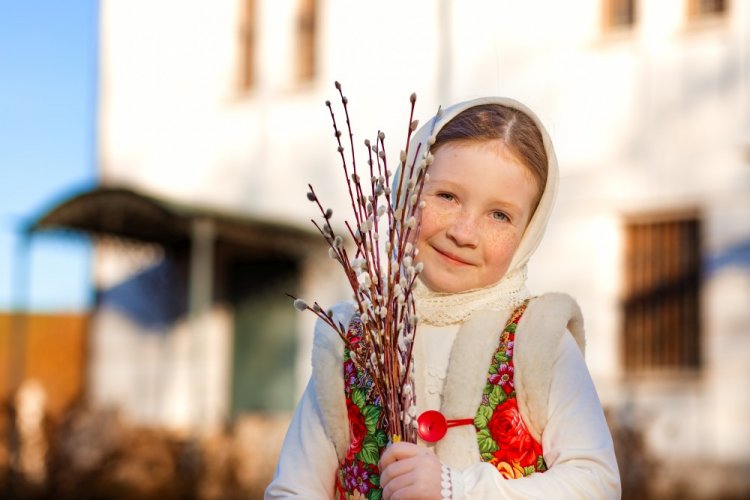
[(703, 9), (619, 14), (246, 41), (306, 28), (661, 306)]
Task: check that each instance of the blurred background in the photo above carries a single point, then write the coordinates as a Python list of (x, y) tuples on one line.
[(154, 160)]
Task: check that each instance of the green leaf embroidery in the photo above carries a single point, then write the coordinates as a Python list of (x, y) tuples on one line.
[(486, 457), (511, 328), (371, 414), (497, 396), (358, 397), (484, 414), (375, 494), (381, 438), (369, 453), (501, 358), (485, 441), (527, 471), (375, 480)]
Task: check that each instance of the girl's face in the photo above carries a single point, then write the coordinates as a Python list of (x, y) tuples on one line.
[(478, 201)]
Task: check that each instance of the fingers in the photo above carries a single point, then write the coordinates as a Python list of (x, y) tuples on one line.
[(409, 471), (396, 488), (396, 469), (401, 451)]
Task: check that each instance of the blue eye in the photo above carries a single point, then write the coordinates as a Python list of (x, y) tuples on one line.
[(500, 216)]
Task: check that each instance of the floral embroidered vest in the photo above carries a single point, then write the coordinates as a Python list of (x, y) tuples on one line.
[(504, 441), (502, 436)]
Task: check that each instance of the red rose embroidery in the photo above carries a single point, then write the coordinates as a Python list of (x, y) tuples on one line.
[(513, 439), (357, 429)]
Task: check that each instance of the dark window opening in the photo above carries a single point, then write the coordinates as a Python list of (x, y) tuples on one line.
[(662, 305)]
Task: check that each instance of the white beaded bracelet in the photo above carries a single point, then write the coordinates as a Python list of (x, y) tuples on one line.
[(446, 485)]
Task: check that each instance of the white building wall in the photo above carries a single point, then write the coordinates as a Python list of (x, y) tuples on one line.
[(651, 119)]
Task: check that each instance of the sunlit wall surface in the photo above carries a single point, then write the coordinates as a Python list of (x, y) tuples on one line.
[(220, 105)]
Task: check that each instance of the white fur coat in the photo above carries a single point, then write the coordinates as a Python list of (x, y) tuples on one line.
[(537, 337)]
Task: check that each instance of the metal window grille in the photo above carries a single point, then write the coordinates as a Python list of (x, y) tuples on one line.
[(619, 13), (662, 306)]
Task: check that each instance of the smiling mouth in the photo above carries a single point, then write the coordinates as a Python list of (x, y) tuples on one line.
[(452, 258)]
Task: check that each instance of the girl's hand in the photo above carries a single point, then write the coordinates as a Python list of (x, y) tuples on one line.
[(408, 471)]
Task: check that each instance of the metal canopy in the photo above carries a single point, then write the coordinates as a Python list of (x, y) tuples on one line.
[(128, 214)]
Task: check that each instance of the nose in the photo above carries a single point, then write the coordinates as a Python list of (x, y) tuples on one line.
[(463, 231)]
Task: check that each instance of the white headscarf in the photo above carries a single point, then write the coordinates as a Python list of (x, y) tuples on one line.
[(447, 308)]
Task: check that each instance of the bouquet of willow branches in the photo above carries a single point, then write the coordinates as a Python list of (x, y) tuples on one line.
[(380, 267)]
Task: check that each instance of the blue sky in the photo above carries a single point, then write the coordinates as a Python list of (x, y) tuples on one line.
[(48, 79)]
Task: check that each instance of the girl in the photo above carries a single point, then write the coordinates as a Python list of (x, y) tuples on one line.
[(504, 368)]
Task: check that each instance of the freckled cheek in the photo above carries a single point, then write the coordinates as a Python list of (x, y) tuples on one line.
[(499, 246), (433, 220)]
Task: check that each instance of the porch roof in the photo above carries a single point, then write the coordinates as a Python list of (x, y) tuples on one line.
[(133, 215)]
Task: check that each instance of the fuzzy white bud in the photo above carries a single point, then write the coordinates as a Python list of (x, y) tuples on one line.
[(300, 305), (364, 280), (402, 156)]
